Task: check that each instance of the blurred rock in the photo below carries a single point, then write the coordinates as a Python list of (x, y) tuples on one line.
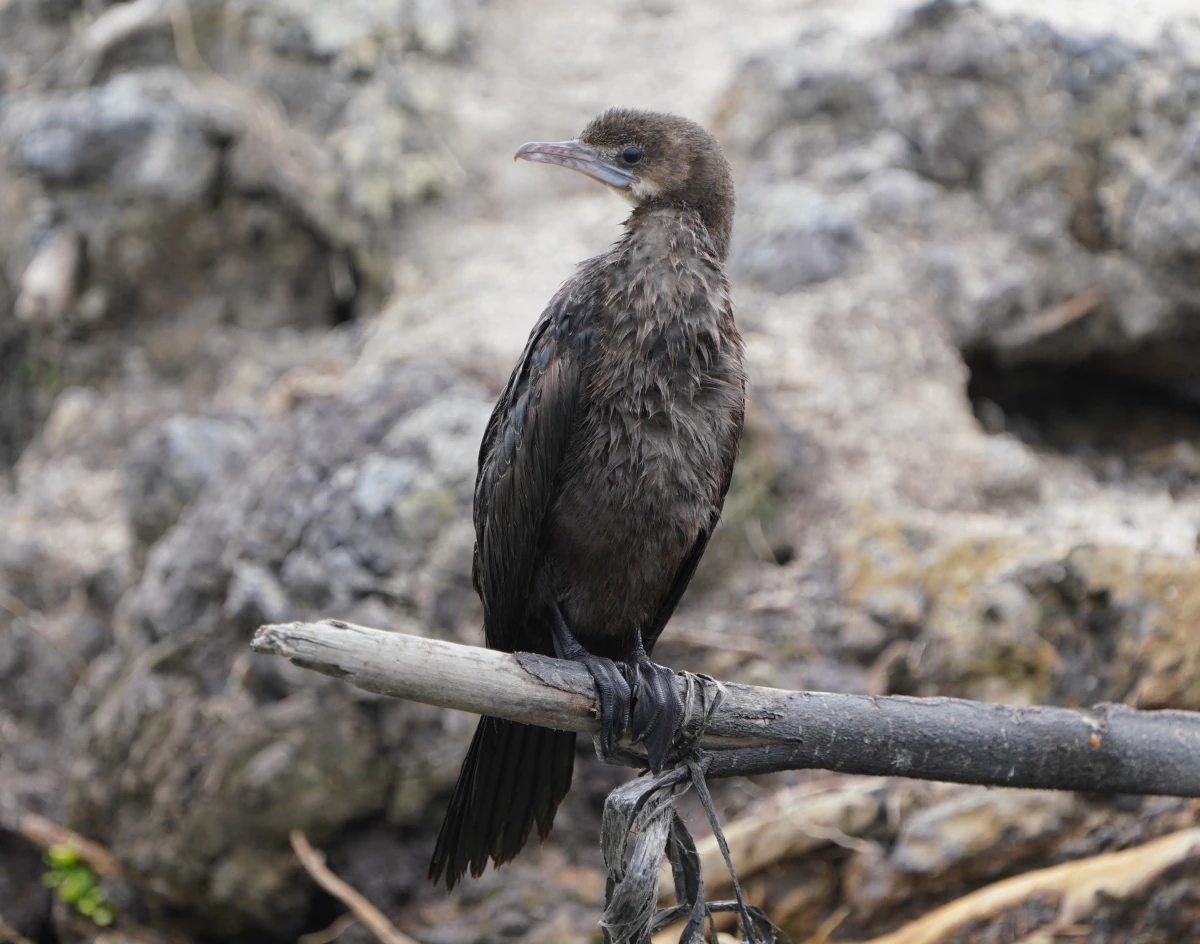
[(358, 35), (968, 836), (1065, 148), (200, 204), (169, 465), (22, 399), (799, 239), (280, 532), (957, 840), (1008, 621), (24, 900), (50, 281), (130, 134), (138, 165)]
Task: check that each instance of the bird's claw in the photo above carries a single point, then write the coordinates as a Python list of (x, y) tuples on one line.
[(613, 697), (633, 690), (656, 706), (612, 691)]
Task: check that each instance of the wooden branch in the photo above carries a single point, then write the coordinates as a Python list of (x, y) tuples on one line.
[(1104, 749), (367, 914)]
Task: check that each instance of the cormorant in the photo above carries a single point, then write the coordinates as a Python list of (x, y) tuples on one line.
[(603, 470)]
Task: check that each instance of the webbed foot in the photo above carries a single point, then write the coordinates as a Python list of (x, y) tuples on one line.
[(612, 690), (656, 704)]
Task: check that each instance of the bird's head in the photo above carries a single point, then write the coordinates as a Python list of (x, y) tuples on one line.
[(650, 158)]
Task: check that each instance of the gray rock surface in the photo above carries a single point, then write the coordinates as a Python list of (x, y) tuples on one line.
[(799, 239), (169, 465), (27, 901), (271, 748), (1060, 166), (224, 170)]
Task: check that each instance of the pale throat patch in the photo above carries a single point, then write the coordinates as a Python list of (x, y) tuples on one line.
[(638, 192)]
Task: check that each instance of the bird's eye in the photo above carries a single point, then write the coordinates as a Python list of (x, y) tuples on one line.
[(631, 154)]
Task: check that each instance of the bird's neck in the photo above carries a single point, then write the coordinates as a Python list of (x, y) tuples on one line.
[(717, 216), (639, 224)]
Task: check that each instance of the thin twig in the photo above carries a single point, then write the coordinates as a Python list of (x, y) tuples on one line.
[(371, 917), (1048, 322), (829, 925), (330, 934), (45, 833), (121, 22), (10, 935)]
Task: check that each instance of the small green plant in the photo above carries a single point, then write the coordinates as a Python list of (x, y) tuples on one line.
[(76, 884)]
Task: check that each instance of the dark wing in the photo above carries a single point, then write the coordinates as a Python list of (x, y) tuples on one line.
[(519, 458), (688, 568)]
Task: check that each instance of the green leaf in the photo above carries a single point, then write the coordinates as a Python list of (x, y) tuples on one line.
[(61, 855), (52, 879), (102, 917), (75, 884)]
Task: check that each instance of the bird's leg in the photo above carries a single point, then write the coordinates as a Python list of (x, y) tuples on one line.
[(612, 691), (656, 704)]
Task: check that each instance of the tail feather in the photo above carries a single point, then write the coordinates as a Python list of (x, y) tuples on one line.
[(514, 777), (511, 830)]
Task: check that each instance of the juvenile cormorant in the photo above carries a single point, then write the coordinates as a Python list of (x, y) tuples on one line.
[(603, 470)]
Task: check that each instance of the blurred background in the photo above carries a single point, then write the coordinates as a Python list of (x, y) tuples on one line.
[(264, 267)]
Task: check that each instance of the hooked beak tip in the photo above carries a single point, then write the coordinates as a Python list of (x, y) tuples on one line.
[(523, 150)]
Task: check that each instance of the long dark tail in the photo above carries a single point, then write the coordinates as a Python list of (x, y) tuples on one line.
[(514, 775)]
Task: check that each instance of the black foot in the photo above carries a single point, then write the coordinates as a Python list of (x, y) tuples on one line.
[(612, 690), (656, 704)]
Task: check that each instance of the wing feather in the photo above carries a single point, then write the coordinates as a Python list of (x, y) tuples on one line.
[(519, 459)]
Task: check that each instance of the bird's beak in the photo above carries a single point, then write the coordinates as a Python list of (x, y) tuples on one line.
[(577, 156)]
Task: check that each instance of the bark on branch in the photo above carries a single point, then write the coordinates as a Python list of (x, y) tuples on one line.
[(1104, 749)]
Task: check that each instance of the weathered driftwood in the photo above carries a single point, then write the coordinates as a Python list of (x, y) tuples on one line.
[(1104, 749)]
